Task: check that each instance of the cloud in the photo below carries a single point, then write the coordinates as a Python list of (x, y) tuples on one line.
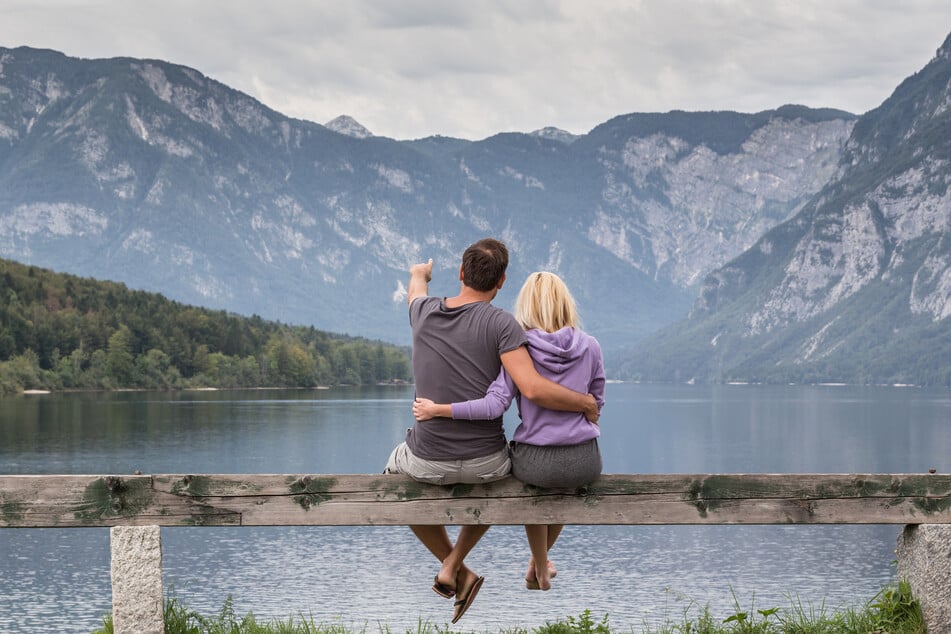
[(419, 67)]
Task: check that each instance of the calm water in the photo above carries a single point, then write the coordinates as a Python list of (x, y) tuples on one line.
[(58, 579)]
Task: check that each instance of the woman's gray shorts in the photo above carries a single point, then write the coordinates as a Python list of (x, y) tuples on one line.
[(555, 467)]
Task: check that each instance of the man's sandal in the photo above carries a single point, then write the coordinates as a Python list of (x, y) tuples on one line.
[(461, 605), (442, 589)]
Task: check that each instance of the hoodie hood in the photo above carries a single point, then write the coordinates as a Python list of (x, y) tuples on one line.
[(556, 350), (571, 358)]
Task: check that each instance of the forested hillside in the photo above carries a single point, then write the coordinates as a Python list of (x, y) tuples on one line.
[(65, 332)]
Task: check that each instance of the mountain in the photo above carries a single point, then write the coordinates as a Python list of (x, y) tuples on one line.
[(349, 126), (857, 286), (555, 134), (156, 176)]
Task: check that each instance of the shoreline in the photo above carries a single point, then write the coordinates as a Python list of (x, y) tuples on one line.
[(42, 392)]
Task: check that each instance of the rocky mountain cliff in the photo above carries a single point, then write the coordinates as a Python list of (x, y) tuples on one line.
[(157, 176), (856, 287)]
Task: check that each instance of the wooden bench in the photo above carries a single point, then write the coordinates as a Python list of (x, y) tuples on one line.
[(136, 506)]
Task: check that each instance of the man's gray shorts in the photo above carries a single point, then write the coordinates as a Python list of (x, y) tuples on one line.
[(470, 471)]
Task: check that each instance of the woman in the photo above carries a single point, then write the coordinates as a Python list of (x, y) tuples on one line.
[(549, 449)]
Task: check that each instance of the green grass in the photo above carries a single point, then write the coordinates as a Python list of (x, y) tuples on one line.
[(892, 611)]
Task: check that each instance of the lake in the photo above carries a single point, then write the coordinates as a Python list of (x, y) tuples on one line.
[(58, 579)]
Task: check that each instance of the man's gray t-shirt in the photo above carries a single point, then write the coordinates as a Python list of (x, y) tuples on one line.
[(455, 358)]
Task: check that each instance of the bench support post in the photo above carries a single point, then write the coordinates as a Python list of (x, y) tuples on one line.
[(137, 602), (924, 561)]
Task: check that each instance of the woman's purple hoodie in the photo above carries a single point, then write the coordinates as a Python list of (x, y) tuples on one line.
[(568, 357)]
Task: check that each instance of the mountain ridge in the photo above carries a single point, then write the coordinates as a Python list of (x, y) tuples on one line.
[(857, 286), (154, 175)]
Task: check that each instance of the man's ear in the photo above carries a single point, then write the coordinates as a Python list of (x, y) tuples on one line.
[(461, 276), (501, 282)]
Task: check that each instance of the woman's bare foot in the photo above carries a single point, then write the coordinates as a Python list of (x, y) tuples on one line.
[(536, 581)]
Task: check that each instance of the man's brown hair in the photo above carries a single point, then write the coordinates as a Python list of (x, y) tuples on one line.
[(484, 264)]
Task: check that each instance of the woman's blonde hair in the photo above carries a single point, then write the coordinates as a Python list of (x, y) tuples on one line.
[(545, 303)]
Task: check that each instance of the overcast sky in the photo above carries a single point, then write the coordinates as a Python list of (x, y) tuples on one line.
[(412, 68)]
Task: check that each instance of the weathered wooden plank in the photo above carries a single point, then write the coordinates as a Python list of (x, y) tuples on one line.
[(83, 500), (699, 485), (348, 499)]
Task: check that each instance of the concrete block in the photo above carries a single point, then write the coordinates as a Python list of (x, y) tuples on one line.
[(924, 561), (137, 602)]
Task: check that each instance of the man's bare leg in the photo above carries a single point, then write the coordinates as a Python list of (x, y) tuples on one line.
[(436, 539), (453, 566)]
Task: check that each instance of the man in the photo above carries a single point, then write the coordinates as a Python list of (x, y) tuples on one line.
[(459, 346)]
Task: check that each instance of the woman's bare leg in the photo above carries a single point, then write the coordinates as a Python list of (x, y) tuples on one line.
[(554, 530), (538, 567)]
